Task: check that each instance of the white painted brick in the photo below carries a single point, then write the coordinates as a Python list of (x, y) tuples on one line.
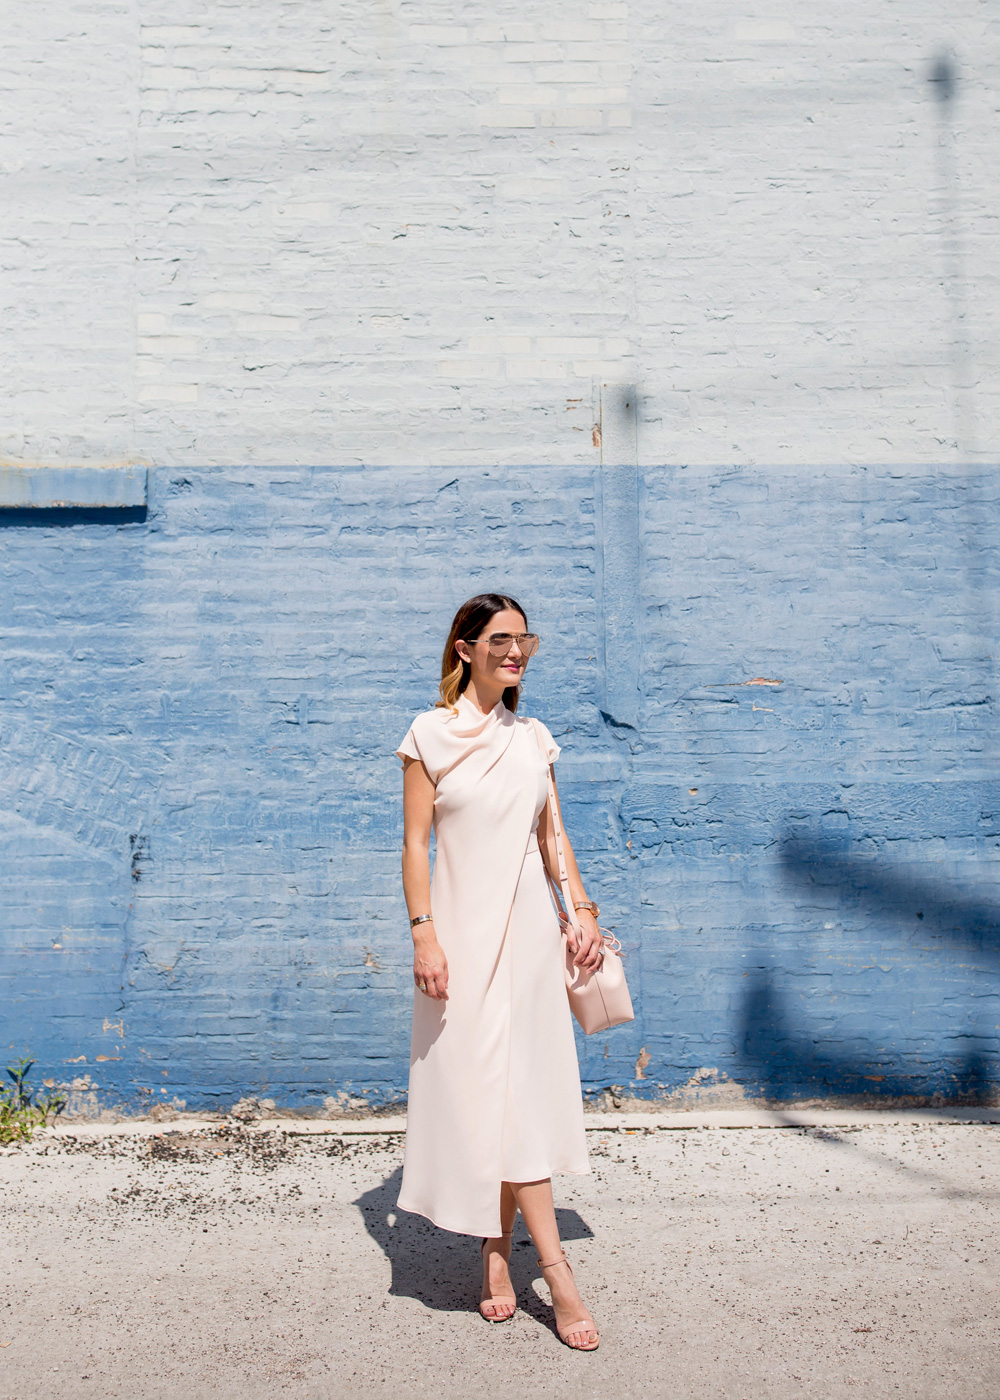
[(154, 102), (604, 52), (569, 72), (306, 211), (766, 31), (571, 33), (534, 187), (507, 344), (748, 249), (469, 369), (169, 393), (568, 345), (253, 325), (168, 33), (170, 76), (438, 34), (572, 116), (505, 116), (243, 79), (606, 96), (505, 34), (598, 369), (536, 369), (532, 53), (235, 301), (522, 96), (168, 345)]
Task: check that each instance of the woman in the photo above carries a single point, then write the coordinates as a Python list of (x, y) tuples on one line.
[(494, 1105)]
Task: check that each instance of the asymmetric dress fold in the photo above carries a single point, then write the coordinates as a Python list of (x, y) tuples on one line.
[(494, 1079)]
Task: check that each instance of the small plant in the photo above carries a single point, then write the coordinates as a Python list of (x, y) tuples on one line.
[(21, 1110)]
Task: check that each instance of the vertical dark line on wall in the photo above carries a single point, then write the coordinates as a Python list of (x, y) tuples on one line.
[(618, 557), (944, 82), (619, 579)]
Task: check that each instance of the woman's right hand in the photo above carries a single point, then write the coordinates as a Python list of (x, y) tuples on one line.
[(430, 968)]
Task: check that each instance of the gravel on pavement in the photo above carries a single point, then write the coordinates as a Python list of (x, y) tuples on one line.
[(820, 1256)]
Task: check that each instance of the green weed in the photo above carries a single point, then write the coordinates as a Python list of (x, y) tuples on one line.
[(21, 1110)]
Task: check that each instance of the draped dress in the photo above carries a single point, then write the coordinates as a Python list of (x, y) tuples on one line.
[(494, 1089)]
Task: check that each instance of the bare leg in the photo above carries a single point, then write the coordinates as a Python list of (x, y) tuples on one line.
[(498, 1300), (534, 1200)]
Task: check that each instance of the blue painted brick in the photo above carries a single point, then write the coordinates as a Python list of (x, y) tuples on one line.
[(202, 808)]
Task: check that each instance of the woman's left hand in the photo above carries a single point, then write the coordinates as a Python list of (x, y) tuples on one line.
[(589, 944)]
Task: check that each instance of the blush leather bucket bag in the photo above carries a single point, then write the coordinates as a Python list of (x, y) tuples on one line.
[(598, 999)]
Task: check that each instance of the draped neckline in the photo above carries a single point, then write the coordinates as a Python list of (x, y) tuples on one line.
[(471, 720)]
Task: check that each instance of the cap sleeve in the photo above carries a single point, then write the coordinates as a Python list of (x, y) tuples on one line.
[(409, 748), (423, 742), (547, 744)]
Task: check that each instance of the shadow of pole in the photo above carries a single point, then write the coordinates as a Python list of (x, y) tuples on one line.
[(939, 910), (791, 1063)]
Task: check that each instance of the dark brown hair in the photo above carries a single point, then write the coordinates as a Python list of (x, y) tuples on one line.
[(467, 624)]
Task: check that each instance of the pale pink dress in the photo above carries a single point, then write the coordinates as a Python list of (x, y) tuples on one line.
[(494, 1080)]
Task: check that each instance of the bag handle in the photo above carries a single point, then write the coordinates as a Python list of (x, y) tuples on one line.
[(567, 898), (569, 917)]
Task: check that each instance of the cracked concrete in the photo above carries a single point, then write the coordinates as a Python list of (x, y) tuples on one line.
[(812, 1255)]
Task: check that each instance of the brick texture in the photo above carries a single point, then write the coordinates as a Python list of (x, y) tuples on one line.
[(351, 284), (265, 233), (797, 842)]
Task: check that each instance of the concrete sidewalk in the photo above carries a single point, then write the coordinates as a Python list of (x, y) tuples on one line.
[(737, 1255)]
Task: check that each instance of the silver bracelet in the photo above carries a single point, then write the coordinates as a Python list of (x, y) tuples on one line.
[(422, 919)]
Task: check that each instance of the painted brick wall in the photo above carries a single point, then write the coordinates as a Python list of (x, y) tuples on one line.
[(814, 796), (401, 248), (202, 886), (798, 840), (415, 233)]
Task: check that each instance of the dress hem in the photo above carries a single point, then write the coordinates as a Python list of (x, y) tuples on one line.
[(484, 1234)]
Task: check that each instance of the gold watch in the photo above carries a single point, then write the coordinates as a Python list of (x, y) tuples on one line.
[(587, 904)]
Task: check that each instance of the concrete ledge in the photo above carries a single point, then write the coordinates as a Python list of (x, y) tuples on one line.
[(594, 1122), (59, 488)]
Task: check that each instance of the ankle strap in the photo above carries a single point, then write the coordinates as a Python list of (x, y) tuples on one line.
[(552, 1262)]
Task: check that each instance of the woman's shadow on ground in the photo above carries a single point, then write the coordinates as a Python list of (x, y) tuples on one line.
[(443, 1270)]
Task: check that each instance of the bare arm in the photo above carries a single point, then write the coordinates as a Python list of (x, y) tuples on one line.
[(587, 948), (430, 966)]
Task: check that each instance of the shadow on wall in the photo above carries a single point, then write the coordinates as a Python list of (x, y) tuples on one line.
[(73, 515), (790, 1061), (442, 1270)]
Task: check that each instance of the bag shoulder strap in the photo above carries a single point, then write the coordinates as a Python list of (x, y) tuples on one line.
[(557, 832)]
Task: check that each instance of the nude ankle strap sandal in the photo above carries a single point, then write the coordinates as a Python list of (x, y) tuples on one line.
[(585, 1325), (496, 1298)]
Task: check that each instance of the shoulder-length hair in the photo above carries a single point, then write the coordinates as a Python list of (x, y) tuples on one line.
[(468, 622)]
